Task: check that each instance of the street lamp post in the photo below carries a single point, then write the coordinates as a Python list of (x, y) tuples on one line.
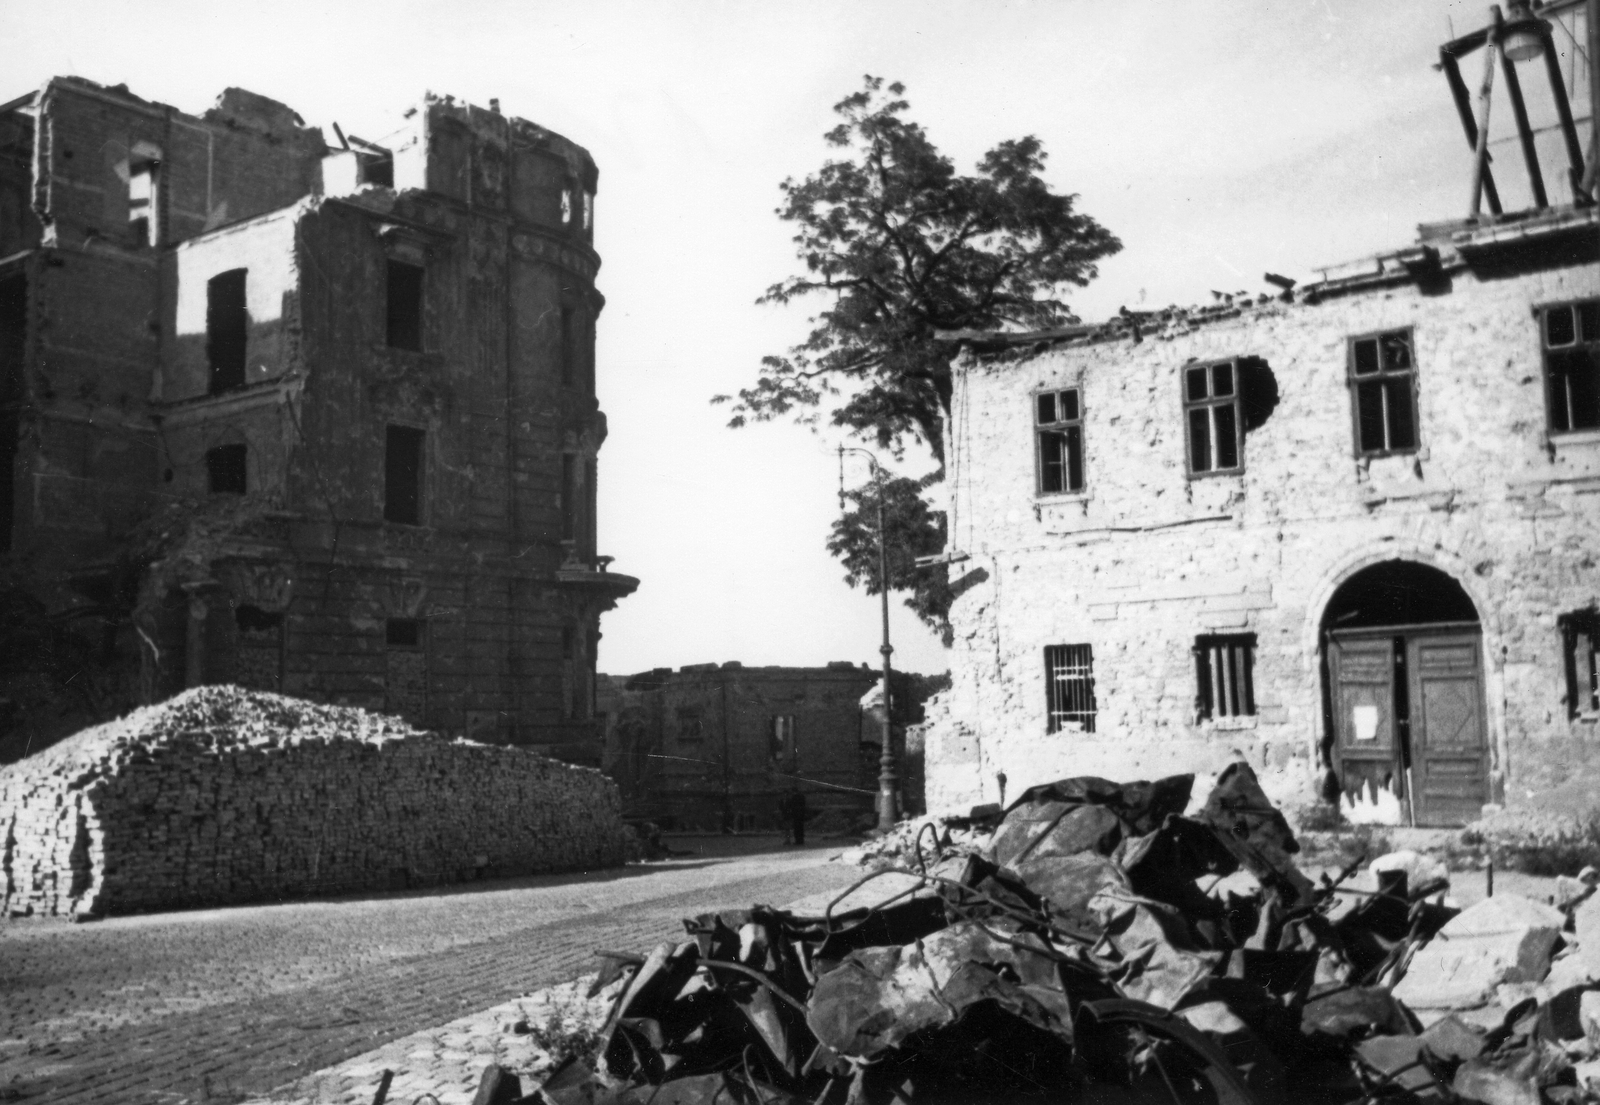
[(888, 778)]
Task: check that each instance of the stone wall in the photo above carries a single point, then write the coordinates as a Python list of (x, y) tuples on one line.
[(224, 796), (1146, 558)]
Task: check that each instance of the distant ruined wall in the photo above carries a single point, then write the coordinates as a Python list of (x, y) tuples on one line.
[(183, 825)]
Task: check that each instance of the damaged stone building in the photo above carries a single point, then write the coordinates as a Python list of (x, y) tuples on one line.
[(1348, 532), (714, 747), (300, 417)]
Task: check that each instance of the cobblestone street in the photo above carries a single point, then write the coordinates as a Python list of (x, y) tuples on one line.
[(215, 1006)]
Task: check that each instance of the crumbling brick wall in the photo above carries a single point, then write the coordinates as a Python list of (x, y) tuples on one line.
[(221, 796)]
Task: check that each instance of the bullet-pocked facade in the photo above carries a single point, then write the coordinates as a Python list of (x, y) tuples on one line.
[(308, 418), (1348, 534)]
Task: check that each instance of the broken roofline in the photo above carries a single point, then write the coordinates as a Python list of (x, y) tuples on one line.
[(1444, 248)]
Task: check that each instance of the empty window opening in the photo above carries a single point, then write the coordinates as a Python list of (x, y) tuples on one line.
[(691, 726), (375, 165), (566, 206), (402, 633), (141, 201), (1211, 405), (256, 623), (782, 746), (1058, 416), (227, 329), (1383, 381), (1572, 366), (402, 475), (588, 210), (226, 469), (9, 441), (1225, 675), (1580, 645), (1069, 688), (569, 348), (404, 319), (569, 497)]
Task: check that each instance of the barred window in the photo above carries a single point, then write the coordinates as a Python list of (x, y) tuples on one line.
[(1225, 674), (1058, 416), (1211, 407), (1069, 688), (1571, 335), (1383, 383), (1580, 640)]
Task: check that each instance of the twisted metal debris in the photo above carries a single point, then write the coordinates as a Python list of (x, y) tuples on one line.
[(1087, 954)]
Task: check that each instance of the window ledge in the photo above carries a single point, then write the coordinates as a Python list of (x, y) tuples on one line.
[(1229, 724), (1587, 719), (1060, 498), (1575, 437)]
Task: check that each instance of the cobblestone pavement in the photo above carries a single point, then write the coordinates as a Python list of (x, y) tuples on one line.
[(215, 1006)]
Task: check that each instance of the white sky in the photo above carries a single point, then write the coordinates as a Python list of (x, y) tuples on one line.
[(1218, 139)]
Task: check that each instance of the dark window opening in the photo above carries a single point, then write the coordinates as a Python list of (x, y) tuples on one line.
[(569, 497), (781, 745), (569, 348), (691, 726), (9, 441), (227, 330), (1580, 648), (1383, 379), (1058, 417), (141, 201), (402, 633), (404, 326), (1225, 675), (256, 622), (1211, 405), (1069, 688), (376, 169), (402, 475), (1572, 366), (226, 469)]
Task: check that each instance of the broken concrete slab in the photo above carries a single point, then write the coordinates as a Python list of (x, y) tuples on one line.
[(1507, 938)]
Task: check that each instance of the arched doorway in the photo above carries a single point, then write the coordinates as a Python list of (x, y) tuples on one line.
[(1404, 663)]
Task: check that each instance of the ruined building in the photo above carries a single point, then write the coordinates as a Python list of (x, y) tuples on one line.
[(1348, 532), (714, 747), (304, 418)]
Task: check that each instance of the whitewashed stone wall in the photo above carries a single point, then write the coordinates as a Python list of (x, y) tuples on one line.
[(221, 795), (1147, 559)]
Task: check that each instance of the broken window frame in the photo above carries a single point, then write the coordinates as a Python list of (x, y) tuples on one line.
[(781, 739), (1061, 436), (1212, 411), (405, 296), (1580, 655), (1387, 381), (228, 469), (404, 498), (142, 219), (228, 330), (1070, 703), (1583, 314), (1225, 675)]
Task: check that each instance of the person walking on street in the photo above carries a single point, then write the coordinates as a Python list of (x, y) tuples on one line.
[(797, 815)]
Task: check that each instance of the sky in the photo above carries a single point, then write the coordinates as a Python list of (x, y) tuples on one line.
[(1219, 140)]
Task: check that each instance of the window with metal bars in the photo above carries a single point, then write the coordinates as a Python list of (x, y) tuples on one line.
[(1211, 409), (1225, 674), (1580, 640), (1571, 337), (1058, 417), (1069, 688), (1383, 384)]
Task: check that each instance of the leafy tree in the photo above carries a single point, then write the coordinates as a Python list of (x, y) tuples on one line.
[(912, 529), (901, 246)]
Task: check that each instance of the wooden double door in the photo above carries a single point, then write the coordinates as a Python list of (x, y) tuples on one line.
[(1411, 697)]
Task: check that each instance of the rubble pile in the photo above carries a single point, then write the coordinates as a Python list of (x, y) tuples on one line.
[(224, 795), (1106, 948)]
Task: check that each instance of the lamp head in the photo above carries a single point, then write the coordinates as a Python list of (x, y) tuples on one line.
[(1522, 36)]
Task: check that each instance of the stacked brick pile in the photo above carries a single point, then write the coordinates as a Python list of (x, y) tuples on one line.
[(223, 795)]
